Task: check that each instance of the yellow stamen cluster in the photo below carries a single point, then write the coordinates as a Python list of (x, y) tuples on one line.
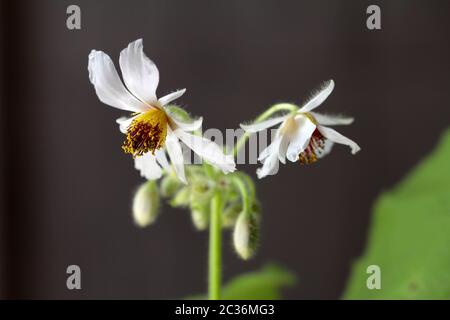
[(147, 132)]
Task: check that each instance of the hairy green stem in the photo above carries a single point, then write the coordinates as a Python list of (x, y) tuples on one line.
[(265, 115), (244, 194), (215, 247)]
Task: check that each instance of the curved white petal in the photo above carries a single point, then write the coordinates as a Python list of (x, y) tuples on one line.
[(266, 152), (171, 96), (282, 150), (108, 86), (319, 97), (124, 123), (147, 166), (140, 74), (270, 163), (175, 154), (259, 126), (208, 150), (330, 120), (300, 137), (335, 136), (162, 159), (187, 126)]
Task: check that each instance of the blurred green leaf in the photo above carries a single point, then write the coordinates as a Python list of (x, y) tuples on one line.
[(265, 284), (410, 235)]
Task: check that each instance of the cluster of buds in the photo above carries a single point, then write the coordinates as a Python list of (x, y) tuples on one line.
[(241, 209)]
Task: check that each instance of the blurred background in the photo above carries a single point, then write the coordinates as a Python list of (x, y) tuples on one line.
[(66, 186)]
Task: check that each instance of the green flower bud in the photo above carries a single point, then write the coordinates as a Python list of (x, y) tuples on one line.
[(169, 185), (146, 204), (201, 190), (182, 198), (201, 194), (200, 215), (246, 235)]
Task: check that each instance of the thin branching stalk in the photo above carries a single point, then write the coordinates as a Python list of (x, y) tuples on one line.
[(215, 247)]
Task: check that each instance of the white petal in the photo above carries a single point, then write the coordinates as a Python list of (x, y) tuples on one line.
[(188, 126), (171, 96), (108, 86), (282, 150), (335, 136), (175, 154), (124, 123), (270, 163), (140, 74), (162, 159), (319, 97), (208, 150), (265, 152), (300, 137), (269, 149), (259, 126), (330, 120), (147, 166)]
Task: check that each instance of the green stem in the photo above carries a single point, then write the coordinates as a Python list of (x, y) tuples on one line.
[(215, 247), (244, 193), (265, 115)]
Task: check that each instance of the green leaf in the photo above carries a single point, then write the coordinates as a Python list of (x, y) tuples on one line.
[(265, 284), (410, 236)]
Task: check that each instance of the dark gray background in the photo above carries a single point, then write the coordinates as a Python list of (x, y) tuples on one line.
[(66, 185)]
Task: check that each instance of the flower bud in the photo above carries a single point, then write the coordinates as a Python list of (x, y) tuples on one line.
[(146, 204), (201, 190), (201, 194), (200, 215), (169, 185), (182, 198), (246, 235)]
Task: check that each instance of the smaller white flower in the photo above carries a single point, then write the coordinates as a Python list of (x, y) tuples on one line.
[(152, 129), (302, 136)]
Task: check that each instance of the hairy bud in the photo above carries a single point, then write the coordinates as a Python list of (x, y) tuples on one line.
[(200, 215), (246, 235), (146, 204), (170, 184), (182, 198)]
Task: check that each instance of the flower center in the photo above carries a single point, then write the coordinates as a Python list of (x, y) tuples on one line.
[(314, 150), (147, 132)]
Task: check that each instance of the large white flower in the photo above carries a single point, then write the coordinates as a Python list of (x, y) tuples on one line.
[(302, 136), (153, 128)]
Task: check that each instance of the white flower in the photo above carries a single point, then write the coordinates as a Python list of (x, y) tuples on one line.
[(152, 129), (302, 136)]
